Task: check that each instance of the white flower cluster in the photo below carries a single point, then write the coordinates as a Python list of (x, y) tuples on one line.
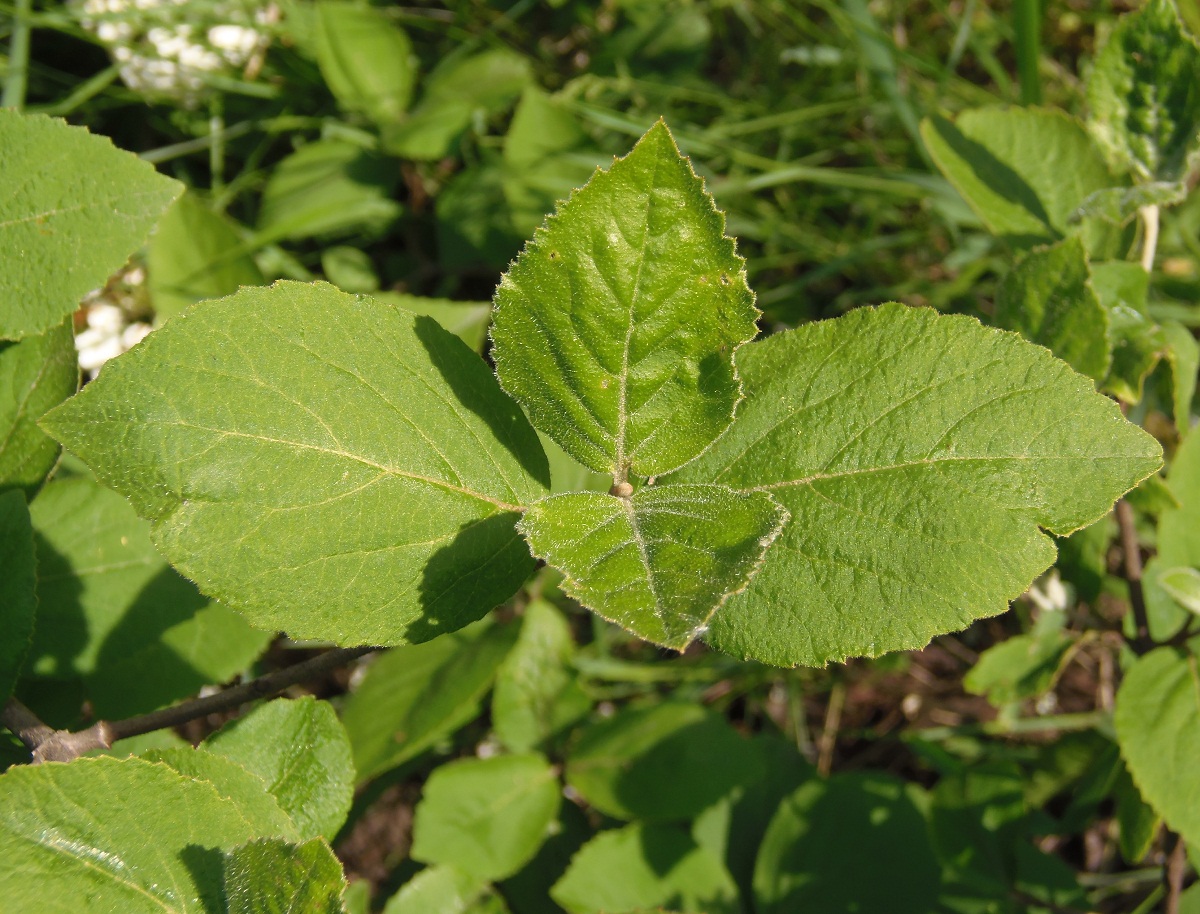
[(167, 48), (110, 329)]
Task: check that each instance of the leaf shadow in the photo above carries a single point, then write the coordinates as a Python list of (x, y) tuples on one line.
[(207, 868), (475, 388)]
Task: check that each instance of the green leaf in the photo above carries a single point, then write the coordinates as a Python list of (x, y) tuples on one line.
[(195, 254), (616, 326), (536, 693), (1137, 822), (437, 890), (233, 782), (1048, 299), (661, 562), (1024, 171), (1158, 726), (1183, 354), (115, 835), (1183, 584), (456, 91), (415, 696), (367, 61), (1179, 528), (474, 227), (113, 611), (918, 454), (329, 187), (487, 816), (1144, 94), (72, 209), (270, 876), (1024, 666), (18, 589), (37, 373), (1118, 205), (1138, 342), (301, 751), (641, 867), (468, 320), (351, 270), (854, 842), (345, 470), (661, 763)]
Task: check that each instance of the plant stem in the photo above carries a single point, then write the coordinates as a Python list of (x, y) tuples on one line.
[(833, 720), (1149, 216), (1027, 25), (1132, 560), (18, 57), (1174, 870), (49, 745)]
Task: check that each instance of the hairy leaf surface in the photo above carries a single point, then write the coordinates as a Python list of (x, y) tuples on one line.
[(486, 816), (321, 462), (1158, 726), (37, 373), (661, 562), (271, 876), (616, 326), (301, 752), (1025, 171), (116, 835), (918, 454), (73, 208), (1144, 94)]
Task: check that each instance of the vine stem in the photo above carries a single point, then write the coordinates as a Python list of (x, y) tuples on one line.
[(1132, 560), (1174, 872), (50, 745), (1149, 216), (17, 78)]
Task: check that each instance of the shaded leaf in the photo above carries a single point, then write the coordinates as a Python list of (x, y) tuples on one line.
[(367, 60), (1023, 666), (195, 254), (84, 829), (270, 876), (659, 563), (18, 589), (72, 209), (1048, 299), (918, 455), (414, 696), (1119, 205), (616, 326), (488, 817), (1158, 726), (437, 890), (341, 469), (639, 867), (854, 842), (301, 752), (1024, 171), (329, 187), (536, 692), (660, 763), (1183, 354), (37, 373), (468, 320), (1144, 94)]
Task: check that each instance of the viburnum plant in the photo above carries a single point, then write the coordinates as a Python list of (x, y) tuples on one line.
[(348, 472)]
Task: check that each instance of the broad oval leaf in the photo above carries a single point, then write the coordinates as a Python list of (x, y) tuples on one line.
[(661, 562), (1025, 171), (918, 454), (488, 816), (301, 752), (321, 462), (1144, 94), (854, 842), (271, 876), (37, 373), (1048, 298), (18, 589), (1158, 726), (643, 868), (84, 829), (615, 327), (366, 59), (73, 208)]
